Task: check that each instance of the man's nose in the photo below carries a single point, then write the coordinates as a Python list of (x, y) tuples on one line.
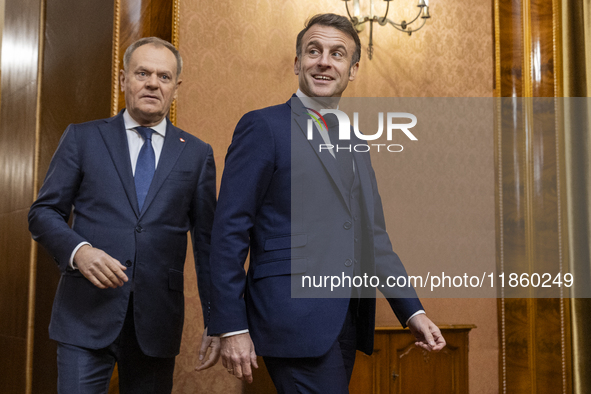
[(152, 81), (324, 60)]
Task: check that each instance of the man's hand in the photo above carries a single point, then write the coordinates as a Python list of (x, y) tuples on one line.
[(214, 355), (427, 333), (238, 356), (100, 268)]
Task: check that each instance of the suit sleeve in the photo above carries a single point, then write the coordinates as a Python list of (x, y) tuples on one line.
[(403, 301), (247, 173), (201, 214), (49, 214)]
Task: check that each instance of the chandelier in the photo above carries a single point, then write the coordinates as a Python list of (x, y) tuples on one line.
[(359, 20)]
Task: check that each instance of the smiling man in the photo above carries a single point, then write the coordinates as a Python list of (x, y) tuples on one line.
[(280, 199), (136, 185)]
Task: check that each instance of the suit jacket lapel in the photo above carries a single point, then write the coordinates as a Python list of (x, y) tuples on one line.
[(171, 150), (328, 161), (115, 138)]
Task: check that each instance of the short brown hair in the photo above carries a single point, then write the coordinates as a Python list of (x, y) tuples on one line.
[(338, 22), (157, 42)]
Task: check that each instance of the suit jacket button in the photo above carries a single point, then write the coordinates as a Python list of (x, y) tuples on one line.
[(347, 225), (128, 263), (139, 229), (348, 263)]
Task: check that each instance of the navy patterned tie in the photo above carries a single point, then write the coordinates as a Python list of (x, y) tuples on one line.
[(145, 166), (344, 157)]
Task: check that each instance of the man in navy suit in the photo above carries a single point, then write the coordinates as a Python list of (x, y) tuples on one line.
[(297, 211), (136, 185)]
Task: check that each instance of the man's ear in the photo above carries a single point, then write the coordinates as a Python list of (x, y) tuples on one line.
[(353, 71), (296, 66), (122, 80), (176, 88)]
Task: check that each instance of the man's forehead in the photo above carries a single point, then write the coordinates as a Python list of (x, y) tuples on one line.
[(327, 35), (153, 53)]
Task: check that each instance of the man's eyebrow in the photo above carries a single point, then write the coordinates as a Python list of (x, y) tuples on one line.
[(317, 43)]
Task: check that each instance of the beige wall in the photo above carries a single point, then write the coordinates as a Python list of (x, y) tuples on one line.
[(239, 57)]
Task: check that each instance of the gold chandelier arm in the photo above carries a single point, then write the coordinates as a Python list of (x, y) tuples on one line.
[(405, 27), (348, 13), (403, 24), (382, 21)]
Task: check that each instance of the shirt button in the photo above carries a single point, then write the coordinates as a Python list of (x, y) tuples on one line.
[(139, 229), (348, 263), (347, 225), (128, 263)]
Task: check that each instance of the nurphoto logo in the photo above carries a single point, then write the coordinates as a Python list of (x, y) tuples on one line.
[(345, 129)]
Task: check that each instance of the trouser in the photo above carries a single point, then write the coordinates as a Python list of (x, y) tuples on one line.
[(88, 371)]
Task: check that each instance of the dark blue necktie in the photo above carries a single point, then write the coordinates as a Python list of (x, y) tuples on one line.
[(145, 166), (344, 157)]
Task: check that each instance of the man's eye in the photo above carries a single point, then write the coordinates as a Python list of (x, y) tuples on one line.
[(338, 54), (314, 51), (165, 77)]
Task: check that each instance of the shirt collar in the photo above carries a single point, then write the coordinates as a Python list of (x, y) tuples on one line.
[(315, 103), (131, 124)]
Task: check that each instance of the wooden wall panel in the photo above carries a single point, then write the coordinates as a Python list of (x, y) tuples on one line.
[(534, 341), (56, 71), (17, 158), (75, 88)]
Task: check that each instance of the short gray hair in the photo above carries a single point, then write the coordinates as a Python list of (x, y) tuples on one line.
[(156, 42)]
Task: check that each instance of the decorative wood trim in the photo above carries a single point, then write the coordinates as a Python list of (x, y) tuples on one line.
[(34, 246), (176, 16), (497, 36), (527, 51), (115, 58), (557, 48), (499, 192), (528, 158)]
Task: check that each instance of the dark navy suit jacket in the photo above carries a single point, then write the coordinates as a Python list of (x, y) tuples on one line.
[(283, 200), (91, 172)]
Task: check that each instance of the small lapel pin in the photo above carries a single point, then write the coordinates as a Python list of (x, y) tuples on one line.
[(182, 139)]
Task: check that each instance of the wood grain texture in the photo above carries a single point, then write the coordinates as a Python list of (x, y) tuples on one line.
[(21, 44), (534, 338)]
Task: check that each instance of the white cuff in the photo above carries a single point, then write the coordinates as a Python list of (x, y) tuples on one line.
[(231, 334), (419, 312), (72, 264)]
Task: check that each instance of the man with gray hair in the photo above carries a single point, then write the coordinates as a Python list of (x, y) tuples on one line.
[(136, 185)]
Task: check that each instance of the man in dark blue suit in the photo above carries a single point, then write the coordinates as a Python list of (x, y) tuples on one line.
[(137, 185), (299, 210)]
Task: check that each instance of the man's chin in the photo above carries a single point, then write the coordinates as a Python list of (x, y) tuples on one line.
[(321, 93), (150, 115)]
